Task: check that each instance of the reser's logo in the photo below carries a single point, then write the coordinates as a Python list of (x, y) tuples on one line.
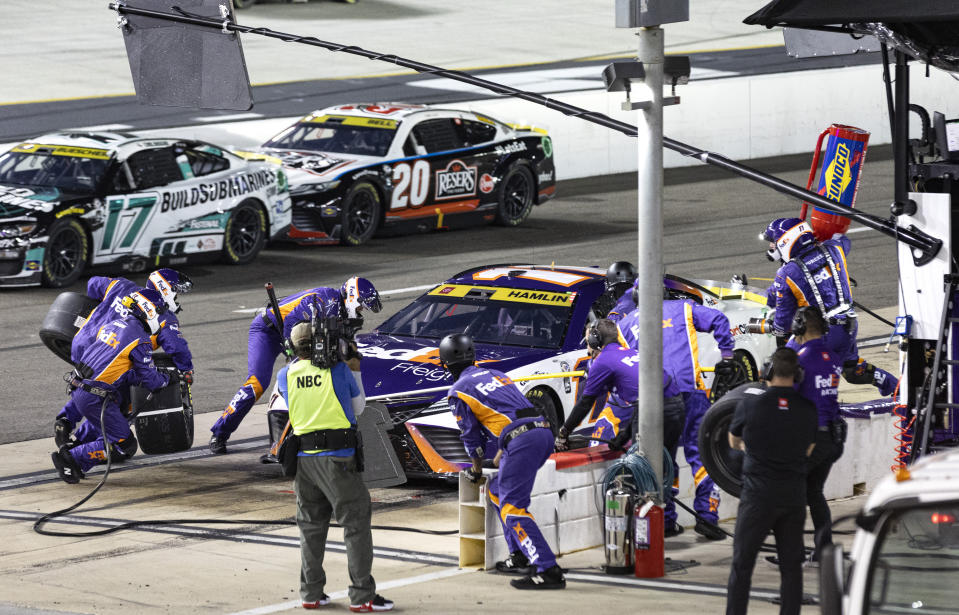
[(456, 180)]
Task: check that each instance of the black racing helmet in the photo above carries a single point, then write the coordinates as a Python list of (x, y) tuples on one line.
[(456, 351), (620, 276)]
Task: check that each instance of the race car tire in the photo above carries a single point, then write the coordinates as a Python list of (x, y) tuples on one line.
[(63, 320), (724, 464), (245, 233), (746, 371), (360, 215), (516, 194), (65, 256), (164, 422), (543, 400)]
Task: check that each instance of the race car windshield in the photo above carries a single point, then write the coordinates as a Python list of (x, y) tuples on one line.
[(487, 322), (66, 172), (340, 138)]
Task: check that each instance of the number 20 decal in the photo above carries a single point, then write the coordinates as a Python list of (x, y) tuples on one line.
[(412, 184)]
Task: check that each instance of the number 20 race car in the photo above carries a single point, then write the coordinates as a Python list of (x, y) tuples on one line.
[(356, 169), (73, 200), (525, 320)]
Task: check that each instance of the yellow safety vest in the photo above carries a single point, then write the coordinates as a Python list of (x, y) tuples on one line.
[(312, 400)]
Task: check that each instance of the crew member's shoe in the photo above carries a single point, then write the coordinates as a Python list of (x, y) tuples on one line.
[(268, 458), (323, 601), (62, 429), (217, 445), (675, 530), (551, 578), (515, 563), (709, 531), (66, 466), (377, 604)]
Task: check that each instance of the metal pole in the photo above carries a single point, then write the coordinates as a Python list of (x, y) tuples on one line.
[(649, 261)]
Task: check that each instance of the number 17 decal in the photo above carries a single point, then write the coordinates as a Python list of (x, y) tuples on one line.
[(412, 184)]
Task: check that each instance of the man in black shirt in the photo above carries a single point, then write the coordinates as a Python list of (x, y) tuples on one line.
[(776, 428)]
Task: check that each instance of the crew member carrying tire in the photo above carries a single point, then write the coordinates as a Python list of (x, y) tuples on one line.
[(490, 412), (168, 283), (266, 342), (120, 356), (814, 273)]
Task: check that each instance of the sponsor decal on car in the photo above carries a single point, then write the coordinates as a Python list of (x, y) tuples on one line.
[(62, 150), (418, 369), (547, 145), (510, 148), (455, 181), (217, 191), (21, 197), (545, 177), (348, 120), (506, 294), (31, 265), (487, 183)]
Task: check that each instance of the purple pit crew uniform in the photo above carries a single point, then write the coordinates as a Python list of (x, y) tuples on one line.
[(624, 306), (492, 413), (265, 344), (682, 319), (120, 356), (613, 370)]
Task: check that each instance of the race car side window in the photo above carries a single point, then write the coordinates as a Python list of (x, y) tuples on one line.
[(474, 133), (204, 163), (438, 135), (412, 147), (154, 167)]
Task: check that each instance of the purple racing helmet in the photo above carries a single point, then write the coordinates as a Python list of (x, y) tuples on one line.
[(791, 236), (146, 305), (359, 293), (169, 282)]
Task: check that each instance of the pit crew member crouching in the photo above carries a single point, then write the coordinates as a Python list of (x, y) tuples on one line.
[(492, 412), (120, 357)]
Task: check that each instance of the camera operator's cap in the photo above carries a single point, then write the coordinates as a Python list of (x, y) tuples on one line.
[(300, 335)]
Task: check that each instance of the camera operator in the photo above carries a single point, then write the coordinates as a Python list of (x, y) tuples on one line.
[(324, 399)]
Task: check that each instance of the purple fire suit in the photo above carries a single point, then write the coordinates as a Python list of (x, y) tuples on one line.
[(818, 276), (120, 356), (624, 306), (682, 319), (488, 407), (265, 344), (614, 371)]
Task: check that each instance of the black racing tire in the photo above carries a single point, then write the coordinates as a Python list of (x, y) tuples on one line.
[(517, 191), (724, 464), (544, 402), (63, 320), (245, 233), (361, 212), (164, 423), (746, 371), (66, 254)]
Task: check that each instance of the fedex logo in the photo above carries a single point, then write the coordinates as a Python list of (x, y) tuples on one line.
[(492, 385), (526, 542), (825, 382), (822, 276), (119, 308), (108, 338)]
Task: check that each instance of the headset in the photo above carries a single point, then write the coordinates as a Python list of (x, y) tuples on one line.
[(803, 316), (594, 338)]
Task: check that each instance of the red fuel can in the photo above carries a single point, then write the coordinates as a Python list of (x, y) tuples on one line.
[(839, 178), (649, 541)]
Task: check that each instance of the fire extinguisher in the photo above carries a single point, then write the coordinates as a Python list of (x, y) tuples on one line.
[(649, 541), (839, 179), (617, 513)]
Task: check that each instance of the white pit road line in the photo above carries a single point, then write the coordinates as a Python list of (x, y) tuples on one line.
[(423, 578), (385, 293)]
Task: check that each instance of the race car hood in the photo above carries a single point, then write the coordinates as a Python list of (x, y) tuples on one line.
[(305, 167), (18, 200), (394, 365)]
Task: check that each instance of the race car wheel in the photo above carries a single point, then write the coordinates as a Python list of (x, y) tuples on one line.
[(361, 214), (65, 256), (63, 320), (724, 464), (746, 371), (544, 402), (245, 234), (164, 421), (515, 196)]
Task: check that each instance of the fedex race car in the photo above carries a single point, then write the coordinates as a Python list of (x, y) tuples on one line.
[(525, 320), (356, 169), (73, 200)]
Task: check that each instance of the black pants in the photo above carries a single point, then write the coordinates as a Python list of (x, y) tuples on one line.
[(674, 418), (755, 518), (820, 462)]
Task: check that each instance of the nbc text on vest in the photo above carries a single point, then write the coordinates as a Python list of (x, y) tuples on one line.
[(309, 380)]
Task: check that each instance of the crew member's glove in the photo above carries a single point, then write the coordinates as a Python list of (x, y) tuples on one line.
[(187, 376), (725, 369), (472, 474), (618, 443), (561, 442)]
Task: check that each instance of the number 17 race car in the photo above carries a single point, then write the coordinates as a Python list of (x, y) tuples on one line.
[(358, 169), (73, 200)]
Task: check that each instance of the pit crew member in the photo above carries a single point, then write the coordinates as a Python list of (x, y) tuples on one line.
[(110, 292), (620, 279), (266, 336), (491, 412), (814, 273), (121, 356), (682, 319)]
